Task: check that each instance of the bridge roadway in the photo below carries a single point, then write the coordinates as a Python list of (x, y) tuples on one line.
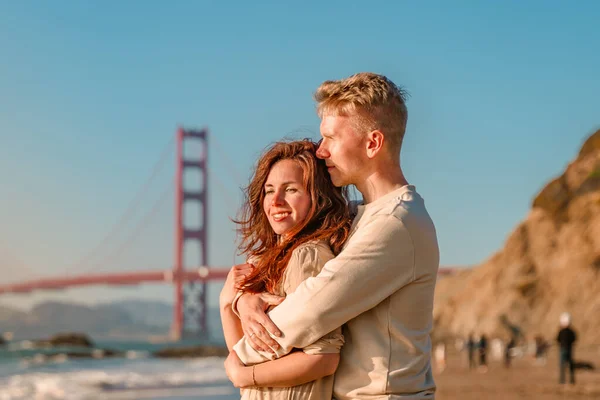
[(117, 279), (200, 274)]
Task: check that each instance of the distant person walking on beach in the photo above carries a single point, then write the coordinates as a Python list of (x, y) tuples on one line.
[(566, 338), (294, 220), (381, 285), (541, 346), (471, 346), (508, 351), (483, 348)]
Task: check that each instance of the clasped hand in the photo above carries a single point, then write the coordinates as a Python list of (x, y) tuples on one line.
[(256, 324)]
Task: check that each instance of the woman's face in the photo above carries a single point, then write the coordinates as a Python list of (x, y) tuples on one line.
[(287, 201)]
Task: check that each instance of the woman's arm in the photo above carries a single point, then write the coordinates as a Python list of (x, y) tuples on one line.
[(232, 328), (316, 360), (292, 370)]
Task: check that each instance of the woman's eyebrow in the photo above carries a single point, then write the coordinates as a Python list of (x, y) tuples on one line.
[(284, 183)]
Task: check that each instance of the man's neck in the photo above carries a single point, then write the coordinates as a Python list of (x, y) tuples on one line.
[(381, 182)]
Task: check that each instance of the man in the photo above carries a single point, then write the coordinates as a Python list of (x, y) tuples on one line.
[(566, 338), (381, 285), (512, 343), (483, 348), (471, 346)]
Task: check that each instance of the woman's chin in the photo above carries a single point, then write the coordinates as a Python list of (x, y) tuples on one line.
[(283, 233), (281, 230)]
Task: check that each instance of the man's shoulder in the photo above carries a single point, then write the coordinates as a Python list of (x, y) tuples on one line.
[(405, 206)]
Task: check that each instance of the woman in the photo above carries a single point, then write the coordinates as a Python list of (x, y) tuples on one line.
[(293, 221)]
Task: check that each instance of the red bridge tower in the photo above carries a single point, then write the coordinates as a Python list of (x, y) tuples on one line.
[(189, 314)]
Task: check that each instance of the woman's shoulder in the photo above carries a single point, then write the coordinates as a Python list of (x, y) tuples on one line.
[(317, 247), (312, 255), (307, 260)]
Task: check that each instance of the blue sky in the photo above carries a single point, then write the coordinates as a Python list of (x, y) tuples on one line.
[(502, 96)]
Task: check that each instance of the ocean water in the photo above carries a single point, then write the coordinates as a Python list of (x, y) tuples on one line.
[(27, 373)]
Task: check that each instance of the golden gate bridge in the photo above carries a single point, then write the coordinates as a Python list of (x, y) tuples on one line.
[(189, 282)]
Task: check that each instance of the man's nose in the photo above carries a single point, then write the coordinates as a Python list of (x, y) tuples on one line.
[(322, 152)]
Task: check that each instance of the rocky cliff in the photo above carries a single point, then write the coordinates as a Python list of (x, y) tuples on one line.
[(549, 264)]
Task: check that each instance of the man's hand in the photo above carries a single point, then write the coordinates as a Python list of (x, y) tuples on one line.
[(255, 322), (237, 372), (236, 275)]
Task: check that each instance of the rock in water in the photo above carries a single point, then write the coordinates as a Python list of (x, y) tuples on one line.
[(68, 339), (194, 351)]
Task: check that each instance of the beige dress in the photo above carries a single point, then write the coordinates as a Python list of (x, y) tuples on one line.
[(306, 261)]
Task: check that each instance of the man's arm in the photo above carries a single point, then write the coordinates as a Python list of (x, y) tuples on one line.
[(377, 261)]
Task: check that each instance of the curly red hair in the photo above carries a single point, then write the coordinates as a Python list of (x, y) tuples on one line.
[(328, 217)]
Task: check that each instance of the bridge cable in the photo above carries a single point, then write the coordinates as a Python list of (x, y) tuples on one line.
[(129, 212), (136, 232)]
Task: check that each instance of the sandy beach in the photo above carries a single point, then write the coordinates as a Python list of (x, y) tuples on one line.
[(523, 380)]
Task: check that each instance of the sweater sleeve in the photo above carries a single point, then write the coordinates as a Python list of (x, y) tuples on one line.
[(307, 262)]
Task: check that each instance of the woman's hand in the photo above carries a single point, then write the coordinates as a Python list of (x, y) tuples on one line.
[(236, 275), (238, 373)]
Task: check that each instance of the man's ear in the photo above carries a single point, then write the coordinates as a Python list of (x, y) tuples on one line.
[(375, 140)]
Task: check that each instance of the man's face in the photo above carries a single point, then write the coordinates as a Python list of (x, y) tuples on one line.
[(343, 150)]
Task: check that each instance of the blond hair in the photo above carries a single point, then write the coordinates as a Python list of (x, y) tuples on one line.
[(372, 101)]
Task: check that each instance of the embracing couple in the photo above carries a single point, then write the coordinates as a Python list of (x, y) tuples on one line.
[(335, 302)]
